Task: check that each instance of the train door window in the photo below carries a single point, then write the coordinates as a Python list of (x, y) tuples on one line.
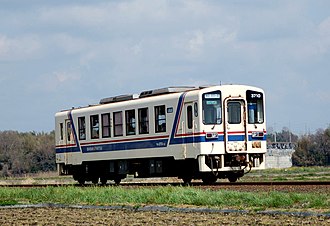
[(160, 119), (196, 109), (82, 128), (212, 108), (61, 131), (130, 122), (69, 131), (189, 117), (234, 112), (255, 107), (143, 121), (95, 129), (106, 125), (118, 123)]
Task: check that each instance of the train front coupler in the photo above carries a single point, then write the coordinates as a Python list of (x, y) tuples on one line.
[(241, 163)]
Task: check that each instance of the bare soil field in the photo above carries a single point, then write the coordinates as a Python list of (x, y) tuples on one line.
[(76, 216)]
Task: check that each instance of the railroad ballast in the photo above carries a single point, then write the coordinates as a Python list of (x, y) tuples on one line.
[(186, 132)]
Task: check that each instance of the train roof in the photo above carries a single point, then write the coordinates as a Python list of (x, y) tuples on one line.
[(148, 93), (155, 92)]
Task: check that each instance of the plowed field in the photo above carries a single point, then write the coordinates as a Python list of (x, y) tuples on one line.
[(76, 216)]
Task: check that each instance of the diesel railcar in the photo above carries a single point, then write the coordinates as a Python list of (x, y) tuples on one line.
[(186, 132)]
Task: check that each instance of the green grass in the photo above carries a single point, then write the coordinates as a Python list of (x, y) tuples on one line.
[(294, 170), (163, 196), (289, 174)]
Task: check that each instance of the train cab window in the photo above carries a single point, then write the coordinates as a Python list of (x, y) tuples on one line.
[(105, 125), (160, 119), (95, 127), (82, 128), (61, 131), (143, 121), (189, 117), (211, 105), (130, 122), (118, 123), (255, 107), (234, 112)]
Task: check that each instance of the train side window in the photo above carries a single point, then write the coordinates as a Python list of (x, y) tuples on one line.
[(82, 128), (118, 124), (95, 130), (106, 125), (255, 107), (130, 122), (61, 131), (143, 121), (189, 117), (160, 119)]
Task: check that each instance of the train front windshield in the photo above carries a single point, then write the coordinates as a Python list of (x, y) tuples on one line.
[(255, 107), (212, 108)]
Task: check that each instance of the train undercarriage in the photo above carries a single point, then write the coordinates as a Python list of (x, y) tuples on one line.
[(230, 166)]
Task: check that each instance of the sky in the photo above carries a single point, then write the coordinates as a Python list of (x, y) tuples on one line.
[(55, 55)]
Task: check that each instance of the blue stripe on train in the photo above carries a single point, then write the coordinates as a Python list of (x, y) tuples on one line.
[(200, 139), (120, 146), (177, 116), (161, 143)]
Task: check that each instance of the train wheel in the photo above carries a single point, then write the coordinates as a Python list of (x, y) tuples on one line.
[(81, 181), (187, 180), (232, 179), (209, 179), (103, 180), (95, 180), (117, 181)]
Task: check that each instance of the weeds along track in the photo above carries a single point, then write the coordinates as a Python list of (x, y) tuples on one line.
[(294, 186)]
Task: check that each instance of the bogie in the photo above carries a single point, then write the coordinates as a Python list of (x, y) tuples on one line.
[(209, 178)]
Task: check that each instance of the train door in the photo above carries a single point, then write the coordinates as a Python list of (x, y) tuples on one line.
[(69, 139), (188, 128), (235, 125)]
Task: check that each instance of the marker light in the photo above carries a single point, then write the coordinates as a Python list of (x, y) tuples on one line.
[(212, 135), (257, 134)]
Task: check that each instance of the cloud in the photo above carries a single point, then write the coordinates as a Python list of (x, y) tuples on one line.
[(88, 15), (55, 81), (323, 96), (137, 49), (69, 44), (64, 76), (196, 43), (19, 48), (324, 33)]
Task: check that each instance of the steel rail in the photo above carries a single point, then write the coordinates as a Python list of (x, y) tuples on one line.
[(199, 184)]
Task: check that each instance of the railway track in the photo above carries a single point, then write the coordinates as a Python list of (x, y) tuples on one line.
[(194, 184)]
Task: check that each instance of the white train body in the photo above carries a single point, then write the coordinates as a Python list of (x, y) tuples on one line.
[(192, 133)]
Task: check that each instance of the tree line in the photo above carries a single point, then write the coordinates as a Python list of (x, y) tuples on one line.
[(32, 152), (28, 152), (310, 149)]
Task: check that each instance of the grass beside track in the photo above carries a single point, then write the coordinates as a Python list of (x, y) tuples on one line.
[(170, 196), (290, 174)]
